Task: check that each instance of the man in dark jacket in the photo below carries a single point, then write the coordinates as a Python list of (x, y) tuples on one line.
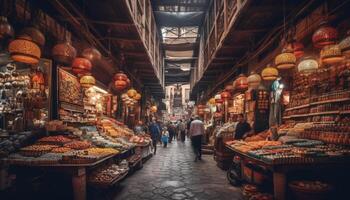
[(242, 128), (155, 134)]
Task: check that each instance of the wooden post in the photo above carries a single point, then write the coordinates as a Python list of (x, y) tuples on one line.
[(226, 110), (79, 184), (279, 185)]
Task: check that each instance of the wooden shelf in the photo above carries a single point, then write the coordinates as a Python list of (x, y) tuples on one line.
[(314, 114), (330, 101), (298, 107)]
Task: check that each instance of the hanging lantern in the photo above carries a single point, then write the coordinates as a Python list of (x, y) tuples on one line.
[(212, 101), (64, 53), (254, 80), (137, 97), (87, 81), (36, 35), (286, 59), (344, 45), (269, 73), (225, 95), (120, 85), (154, 109), (241, 82), (131, 93), (24, 50), (324, 35), (120, 81), (298, 49), (91, 54), (307, 65), (331, 54), (81, 66), (6, 30)]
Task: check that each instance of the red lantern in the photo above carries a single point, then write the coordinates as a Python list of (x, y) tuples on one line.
[(91, 54), (324, 35), (120, 81), (225, 95), (298, 49), (242, 82), (81, 66)]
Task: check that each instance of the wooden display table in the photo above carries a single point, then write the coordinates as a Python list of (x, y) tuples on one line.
[(280, 171), (76, 171)]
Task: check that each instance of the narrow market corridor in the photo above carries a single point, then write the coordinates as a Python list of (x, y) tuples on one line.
[(173, 174)]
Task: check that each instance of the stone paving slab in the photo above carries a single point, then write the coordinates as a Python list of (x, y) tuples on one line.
[(172, 174)]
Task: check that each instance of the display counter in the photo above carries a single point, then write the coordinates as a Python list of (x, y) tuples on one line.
[(281, 164)]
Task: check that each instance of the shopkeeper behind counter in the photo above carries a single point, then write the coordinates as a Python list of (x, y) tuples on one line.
[(242, 128)]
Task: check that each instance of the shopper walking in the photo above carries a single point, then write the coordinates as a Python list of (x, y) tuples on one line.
[(196, 132), (165, 137), (155, 134), (182, 130), (172, 131)]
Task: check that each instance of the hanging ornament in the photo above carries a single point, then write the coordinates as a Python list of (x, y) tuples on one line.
[(298, 49), (81, 66), (6, 30), (91, 54), (269, 73), (331, 54), (241, 82), (131, 93), (87, 81), (307, 65), (36, 35), (344, 45), (24, 50), (254, 80), (286, 59), (324, 35), (64, 53)]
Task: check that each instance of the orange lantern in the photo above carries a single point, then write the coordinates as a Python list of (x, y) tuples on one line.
[(131, 93), (269, 73), (120, 81), (298, 49), (81, 66), (87, 81), (241, 82), (24, 50), (225, 95), (120, 85)]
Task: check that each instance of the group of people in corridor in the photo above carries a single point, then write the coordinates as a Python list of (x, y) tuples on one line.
[(193, 129)]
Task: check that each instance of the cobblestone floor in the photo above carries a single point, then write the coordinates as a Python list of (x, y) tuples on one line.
[(173, 174)]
